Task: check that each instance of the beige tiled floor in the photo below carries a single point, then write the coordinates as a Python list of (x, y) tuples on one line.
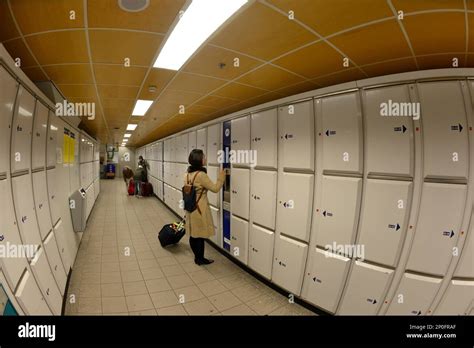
[(121, 269)]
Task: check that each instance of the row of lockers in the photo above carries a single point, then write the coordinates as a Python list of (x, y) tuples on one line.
[(90, 171), (382, 205), (89, 150), (389, 140), (326, 275), (32, 205), (255, 198)]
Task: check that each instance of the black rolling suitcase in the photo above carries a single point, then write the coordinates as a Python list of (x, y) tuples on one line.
[(171, 233)]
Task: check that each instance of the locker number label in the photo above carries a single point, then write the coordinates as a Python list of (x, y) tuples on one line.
[(290, 204), (236, 251)]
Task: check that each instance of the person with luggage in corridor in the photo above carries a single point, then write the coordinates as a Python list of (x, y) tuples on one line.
[(199, 223), (139, 178), (127, 174), (144, 163)]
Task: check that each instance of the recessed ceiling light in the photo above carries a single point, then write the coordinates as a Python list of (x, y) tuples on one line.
[(133, 5), (141, 107), (124, 140), (127, 135), (131, 126), (193, 28)]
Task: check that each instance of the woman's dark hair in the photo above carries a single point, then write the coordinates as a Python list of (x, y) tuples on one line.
[(195, 160)]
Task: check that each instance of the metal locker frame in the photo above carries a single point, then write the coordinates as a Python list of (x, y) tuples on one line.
[(21, 142)]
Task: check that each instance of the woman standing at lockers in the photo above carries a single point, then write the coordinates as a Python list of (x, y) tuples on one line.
[(199, 222)]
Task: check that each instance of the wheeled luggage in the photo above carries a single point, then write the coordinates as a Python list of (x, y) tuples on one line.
[(171, 234), (131, 188), (146, 189)]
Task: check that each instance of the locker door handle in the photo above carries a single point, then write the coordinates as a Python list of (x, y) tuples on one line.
[(47, 292)]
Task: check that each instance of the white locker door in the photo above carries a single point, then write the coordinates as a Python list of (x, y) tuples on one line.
[(263, 198), (160, 190), (173, 147), (52, 179), (445, 132), (261, 243), (213, 137), (239, 240), (25, 209), (325, 281), (42, 203), (339, 210), (239, 188), (389, 139), (30, 298), (295, 205), (288, 264), (166, 172), (342, 133), (457, 298), (52, 135), (192, 140), (12, 267), (439, 221), (22, 130), (264, 138), (184, 148), (64, 252), (414, 295), (365, 290), (167, 150), (160, 151), (465, 267), (212, 197), (240, 133), (7, 100), (384, 219), (201, 139), (159, 170), (45, 279), (55, 262), (296, 127)]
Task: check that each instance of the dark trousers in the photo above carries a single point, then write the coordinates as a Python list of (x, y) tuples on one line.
[(197, 246)]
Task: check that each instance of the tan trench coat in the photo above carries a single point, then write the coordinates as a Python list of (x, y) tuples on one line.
[(201, 225)]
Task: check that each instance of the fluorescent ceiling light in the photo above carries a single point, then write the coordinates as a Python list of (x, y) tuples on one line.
[(124, 140), (141, 107), (199, 21), (127, 135), (131, 126)]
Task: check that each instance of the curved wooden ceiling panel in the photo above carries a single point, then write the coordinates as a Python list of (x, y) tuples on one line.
[(95, 51)]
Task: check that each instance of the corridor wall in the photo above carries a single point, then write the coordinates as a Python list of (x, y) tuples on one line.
[(43, 159), (353, 206)]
